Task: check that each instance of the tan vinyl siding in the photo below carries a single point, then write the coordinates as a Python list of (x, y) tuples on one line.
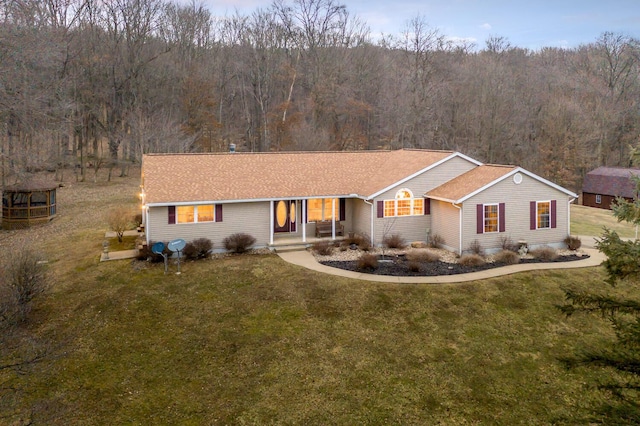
[(517, 199), (446, 223), (410, 228), (249, 218), (432, 178), (414, 228), (361, 215)]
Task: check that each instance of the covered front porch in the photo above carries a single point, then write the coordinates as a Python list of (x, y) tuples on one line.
[(303, 222)]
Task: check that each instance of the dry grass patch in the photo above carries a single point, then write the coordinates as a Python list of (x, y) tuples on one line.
[(367, 262), (507, 257), (471, 260), (422, 255), (546, 254)]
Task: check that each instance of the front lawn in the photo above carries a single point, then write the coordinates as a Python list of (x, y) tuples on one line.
[(253, 340)]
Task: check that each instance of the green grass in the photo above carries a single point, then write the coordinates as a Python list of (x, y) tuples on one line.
[(128, 243), (252, 340), (591, 221)]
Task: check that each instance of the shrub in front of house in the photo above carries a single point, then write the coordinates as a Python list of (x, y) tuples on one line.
[(367, 262), (422, 256), (145, 253), (476, 248), (507, 257), (507, 244), (394, 241), (239, 242), (436, 241), (198, 249), (546, 254), (364, 242), (572, 242), (471, 260), (413, 266), (323, 248)]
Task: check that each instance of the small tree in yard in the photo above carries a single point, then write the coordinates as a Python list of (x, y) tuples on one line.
[(119, 219), (622, 311), (23, 280)]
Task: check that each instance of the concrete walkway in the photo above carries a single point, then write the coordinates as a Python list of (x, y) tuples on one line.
[(306, 260), (118, 255)]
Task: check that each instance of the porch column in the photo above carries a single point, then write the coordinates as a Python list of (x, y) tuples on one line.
[(333, 215), (271, 222), (304, 221)]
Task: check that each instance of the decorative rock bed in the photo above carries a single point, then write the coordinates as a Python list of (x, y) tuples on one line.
[(396, 263)]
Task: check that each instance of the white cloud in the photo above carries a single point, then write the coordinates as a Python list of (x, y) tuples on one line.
[(486, 26)]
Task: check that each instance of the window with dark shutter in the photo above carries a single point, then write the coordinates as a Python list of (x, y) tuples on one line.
[(479, 218), (501, 217), (553, 213), (218, 212), (427, 206), (380, 209), (172, 215)]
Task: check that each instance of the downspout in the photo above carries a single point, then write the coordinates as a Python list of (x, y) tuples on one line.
[(569, 215), (459, 228), (146, 225), (372, 212)]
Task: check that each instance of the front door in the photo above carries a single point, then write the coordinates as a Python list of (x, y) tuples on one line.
[(285, 216)]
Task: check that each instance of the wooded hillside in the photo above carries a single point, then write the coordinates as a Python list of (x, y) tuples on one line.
[(86, 83)]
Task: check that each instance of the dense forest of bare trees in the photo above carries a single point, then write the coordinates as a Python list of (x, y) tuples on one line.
[(94, 83)]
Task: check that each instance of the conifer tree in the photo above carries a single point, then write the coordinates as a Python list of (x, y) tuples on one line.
[(620, 306)]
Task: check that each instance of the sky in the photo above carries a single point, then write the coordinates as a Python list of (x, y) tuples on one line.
[(531, 24)]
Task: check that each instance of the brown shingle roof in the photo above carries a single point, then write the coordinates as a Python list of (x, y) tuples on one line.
[(610, 181), (469, 182), (177, 178)]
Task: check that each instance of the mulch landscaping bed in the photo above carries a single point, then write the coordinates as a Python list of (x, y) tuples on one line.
[(398, 266)]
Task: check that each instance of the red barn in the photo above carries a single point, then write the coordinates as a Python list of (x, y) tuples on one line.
[(602, 185)]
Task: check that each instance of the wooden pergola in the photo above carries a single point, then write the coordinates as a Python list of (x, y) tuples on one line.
[(27, 204)]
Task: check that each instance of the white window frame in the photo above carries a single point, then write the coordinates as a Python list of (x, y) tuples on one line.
[(412, 200), (484, 218), (538, 215), (598, 199), (195, 215)]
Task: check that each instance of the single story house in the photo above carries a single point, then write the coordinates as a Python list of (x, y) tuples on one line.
[(604, 184), (285, 197)]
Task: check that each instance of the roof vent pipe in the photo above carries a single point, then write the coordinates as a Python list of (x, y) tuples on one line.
[(232, 147)]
